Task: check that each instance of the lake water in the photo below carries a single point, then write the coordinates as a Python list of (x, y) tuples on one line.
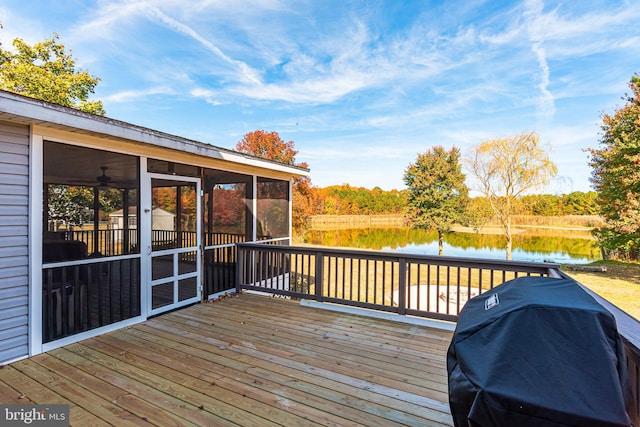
[(567, 247)]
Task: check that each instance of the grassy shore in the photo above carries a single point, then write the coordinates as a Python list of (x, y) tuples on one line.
[(565, 222), (620, 284)]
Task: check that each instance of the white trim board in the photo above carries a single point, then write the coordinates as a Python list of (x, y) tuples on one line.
[(412, 320)]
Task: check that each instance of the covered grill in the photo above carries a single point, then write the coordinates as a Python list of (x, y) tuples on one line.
[(537, 351)]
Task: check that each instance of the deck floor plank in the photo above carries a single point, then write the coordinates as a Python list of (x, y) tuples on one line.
[(245, 360), (255, 357), (240, 380), (167, 400), (326, 352), (185, 386), (422, 347), (289, 406), (84, 390), (258, 364), (39, 387), (352, 342)]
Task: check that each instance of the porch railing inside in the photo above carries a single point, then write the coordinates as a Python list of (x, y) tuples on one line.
[(220, 262), (116, 242), (109, 242), (85, 295)]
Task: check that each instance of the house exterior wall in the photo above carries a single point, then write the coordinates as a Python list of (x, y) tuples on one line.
[(27, 126), (14, 259)]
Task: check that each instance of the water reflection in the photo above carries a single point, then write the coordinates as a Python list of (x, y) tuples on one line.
[(532, 245)]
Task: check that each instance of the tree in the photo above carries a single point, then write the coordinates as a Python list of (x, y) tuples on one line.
[(73, 205), (616, 177), (270, 146), (478, 213), (506, 169), (437, 192), (45, 71)]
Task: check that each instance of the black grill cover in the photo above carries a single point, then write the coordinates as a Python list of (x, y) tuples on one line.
[(537, 351)]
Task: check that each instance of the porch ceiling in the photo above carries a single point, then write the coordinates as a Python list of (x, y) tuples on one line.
[(72, 165)]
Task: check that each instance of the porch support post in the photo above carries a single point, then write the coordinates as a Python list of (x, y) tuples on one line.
[(254, 208), (96, 221), (144, 230), (36, 226), (125, 222), (178, 240), (290, 213)]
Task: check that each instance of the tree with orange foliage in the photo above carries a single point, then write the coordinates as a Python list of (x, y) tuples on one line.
[(269, 145)]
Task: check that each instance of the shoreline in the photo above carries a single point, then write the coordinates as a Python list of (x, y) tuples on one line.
[(572, 223)]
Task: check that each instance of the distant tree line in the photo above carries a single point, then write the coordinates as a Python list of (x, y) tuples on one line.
[(347, 200), (576, 203)]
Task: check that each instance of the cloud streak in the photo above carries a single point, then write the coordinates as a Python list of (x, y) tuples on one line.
[(533, 16)]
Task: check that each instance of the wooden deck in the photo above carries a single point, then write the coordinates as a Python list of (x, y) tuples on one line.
[(245, 361)]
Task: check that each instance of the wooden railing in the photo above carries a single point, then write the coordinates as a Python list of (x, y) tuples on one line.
[(435, 287), (220, 261), (427, 286)]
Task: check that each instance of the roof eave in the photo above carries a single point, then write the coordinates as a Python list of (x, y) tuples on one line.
[(33, 111)]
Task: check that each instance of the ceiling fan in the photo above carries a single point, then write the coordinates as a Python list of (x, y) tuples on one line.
[(103, 179)]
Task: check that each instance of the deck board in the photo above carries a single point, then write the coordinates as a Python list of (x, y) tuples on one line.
[(245, 360)]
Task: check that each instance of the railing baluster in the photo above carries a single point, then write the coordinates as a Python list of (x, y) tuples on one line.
[(402, 286), (428, 308), (319, 282), (458, 290), (448, 289), (384, 279), (375, 281), (344, 272), (359, 281)]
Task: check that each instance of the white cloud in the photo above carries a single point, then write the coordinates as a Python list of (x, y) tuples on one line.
[(133, 95), (15, 25)]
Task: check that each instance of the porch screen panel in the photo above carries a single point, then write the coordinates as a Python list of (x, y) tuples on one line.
[(174, 216), (227, 221), (272, 209), (90, 246)]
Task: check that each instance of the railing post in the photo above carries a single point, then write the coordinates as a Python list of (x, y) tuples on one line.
[(402, 286), (319, 279), (239, 268)]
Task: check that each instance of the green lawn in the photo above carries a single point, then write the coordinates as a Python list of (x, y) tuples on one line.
[(620, 284)]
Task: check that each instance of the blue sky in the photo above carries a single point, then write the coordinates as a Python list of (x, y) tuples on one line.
[(361, 87)]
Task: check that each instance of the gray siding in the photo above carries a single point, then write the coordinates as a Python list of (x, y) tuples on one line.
[(14, 241)]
